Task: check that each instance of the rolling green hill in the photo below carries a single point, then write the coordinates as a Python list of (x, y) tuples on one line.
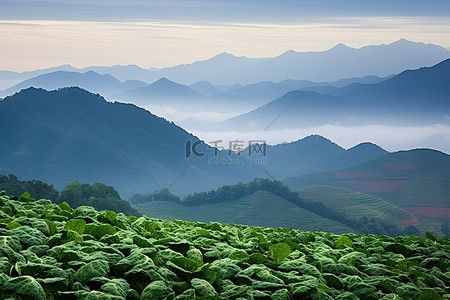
[(358, 205), (261, 208)]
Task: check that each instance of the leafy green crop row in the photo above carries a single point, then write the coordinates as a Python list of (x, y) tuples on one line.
[(56, 252)]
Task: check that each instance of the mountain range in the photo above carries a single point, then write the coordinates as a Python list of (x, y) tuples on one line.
[(166, 94), (412, 97), (330, 65), (71, 134), (334, 64)]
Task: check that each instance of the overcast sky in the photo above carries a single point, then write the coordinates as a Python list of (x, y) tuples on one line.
[(38, 34)]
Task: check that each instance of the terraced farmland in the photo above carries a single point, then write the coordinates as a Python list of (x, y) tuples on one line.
[(358, 205), (259, 209)]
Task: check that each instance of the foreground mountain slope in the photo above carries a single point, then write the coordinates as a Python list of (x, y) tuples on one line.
[(54, 251), (70, 134)]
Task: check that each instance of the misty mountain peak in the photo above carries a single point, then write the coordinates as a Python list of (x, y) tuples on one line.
[(163, 81), (340, 47), (367, 147), (223, 57), (289, 53)]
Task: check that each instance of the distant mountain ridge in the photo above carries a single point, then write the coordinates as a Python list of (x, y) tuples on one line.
[(333, 64), (162, 91), (413, 97), (103, 84), (166, 93), (330, 65)]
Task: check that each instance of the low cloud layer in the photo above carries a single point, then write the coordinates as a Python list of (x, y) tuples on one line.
[(390, 138)]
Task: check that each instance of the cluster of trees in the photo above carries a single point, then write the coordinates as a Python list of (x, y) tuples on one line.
[(163, 195), (233, 192), (16, 187), (98, 195)]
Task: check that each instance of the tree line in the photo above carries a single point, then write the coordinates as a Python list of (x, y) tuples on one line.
[(98, 195)]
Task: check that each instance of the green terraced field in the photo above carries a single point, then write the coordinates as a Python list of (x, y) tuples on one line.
[(259, 209), (358, 205)]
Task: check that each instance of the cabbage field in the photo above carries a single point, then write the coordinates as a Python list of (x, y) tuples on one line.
[(50, 251)]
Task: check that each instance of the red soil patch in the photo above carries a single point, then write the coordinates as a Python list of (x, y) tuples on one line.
[(400, 166), (357, 175), (429, 212), (411, 221), (379, 186)]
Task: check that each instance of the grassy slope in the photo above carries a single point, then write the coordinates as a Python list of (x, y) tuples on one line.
[(260, 209), (357, 205)]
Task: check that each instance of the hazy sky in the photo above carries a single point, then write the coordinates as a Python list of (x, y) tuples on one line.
[(38, 34)]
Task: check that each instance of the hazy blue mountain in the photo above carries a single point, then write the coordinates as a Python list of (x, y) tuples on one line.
[(228, 88), (224, 68), (163, 92), (341, 87), (424, 90), (9, 78), (417, 177), (294, 110), (71, 134), (315, 154), (321, 66), (409, 98), (307, 155), (124, 73), (205, 88), (369, 79), (330, 65), (90, 80), (359, 153), (261, 92), (166, 93)]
